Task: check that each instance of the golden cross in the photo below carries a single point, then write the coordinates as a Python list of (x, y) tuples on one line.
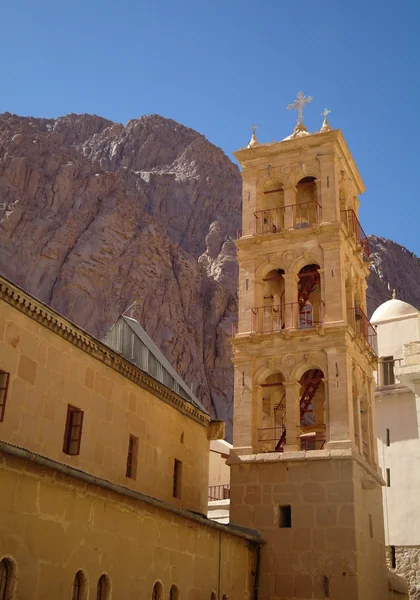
[(299, 105)]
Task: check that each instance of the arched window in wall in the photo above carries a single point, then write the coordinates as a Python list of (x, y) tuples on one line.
[(7, 579), (312, 410), (307, 210), (103, 591), (213, 596), (79, 591), (268, 315), (157, 593), (309, 311), (269, 218), (272, 415), (174, 593)]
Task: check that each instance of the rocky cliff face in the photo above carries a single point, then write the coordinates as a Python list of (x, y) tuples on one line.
[(95, 215)]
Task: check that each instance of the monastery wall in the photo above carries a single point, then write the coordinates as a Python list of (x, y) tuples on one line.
[(52, 525), (49, 372)]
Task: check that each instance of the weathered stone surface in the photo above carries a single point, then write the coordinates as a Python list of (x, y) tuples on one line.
[(407, 563)]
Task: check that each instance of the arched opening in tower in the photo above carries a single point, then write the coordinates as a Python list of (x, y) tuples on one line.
[(272, 421), (307, 210), (269, 315), (270, 216), (312, 410), (309, 305)]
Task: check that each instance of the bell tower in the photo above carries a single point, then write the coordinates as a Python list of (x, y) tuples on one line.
[(304, 468)]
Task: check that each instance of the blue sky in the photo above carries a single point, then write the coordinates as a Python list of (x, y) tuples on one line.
[(220, 66)]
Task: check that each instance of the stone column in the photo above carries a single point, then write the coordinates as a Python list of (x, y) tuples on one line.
[(319, 200), (291, 281), (329, 188), (334, 283), (249, 203), (247, 293), (289, 203), (340, 430), (244, 412), (292, 416)]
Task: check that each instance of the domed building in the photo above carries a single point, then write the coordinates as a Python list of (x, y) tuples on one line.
[(397, 324)]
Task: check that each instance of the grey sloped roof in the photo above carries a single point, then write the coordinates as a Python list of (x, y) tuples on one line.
[(128, 338)]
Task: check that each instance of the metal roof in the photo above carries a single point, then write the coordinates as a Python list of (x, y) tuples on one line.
[(128, 338)]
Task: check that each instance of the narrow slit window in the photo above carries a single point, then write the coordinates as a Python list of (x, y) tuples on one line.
[(132, 454), (393, 558), (4, 385), (388, 477), (370, 526), (176, 490), (285, 516), (73, 431), (388, 438)]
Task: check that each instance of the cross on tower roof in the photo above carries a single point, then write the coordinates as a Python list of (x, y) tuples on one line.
[(325, 113), (299, 105)]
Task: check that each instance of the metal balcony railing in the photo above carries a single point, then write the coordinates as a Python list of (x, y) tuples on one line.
[(352, 223), (219, 492), (293, 216), (363, 327), (270, 438), (266, 319), (304, 316)]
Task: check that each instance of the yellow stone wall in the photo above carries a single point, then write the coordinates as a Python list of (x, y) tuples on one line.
[(52, 525), (328, 543), (48, 373)]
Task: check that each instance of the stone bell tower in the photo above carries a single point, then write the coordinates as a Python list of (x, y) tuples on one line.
[(304, 467)]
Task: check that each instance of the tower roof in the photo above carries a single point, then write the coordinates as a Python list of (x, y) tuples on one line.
[(392, 310)]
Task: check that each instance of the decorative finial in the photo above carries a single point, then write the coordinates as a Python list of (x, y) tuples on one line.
[(253, 141), (325, 125), (299, 105), (394, 294)]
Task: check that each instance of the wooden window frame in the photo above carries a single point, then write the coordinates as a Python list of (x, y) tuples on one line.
[(177, 477), (131, 465), (3, 394), (388, 374), (70, 437)]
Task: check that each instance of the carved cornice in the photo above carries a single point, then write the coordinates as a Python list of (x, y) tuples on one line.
[(48, 318)]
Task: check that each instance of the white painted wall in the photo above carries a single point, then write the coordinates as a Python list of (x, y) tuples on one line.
[(398, 409)]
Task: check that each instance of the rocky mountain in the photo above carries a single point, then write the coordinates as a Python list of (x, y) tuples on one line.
[(95, 216)]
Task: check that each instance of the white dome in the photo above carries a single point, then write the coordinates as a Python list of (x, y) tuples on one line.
[(393, 309)]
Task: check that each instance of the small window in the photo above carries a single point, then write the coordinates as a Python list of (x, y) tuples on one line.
[(4, 385), (174, 593), (388, 438), (393, 558), (133, 449), (7, 578), (213, 596), (388, 477), (176, 490), (79, 586), (285, 520), (182, 438), (73, 432), (157, 593), (387, 363), (370, 526), (104, 588)]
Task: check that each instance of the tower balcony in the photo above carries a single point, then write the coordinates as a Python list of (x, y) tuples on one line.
[(296, 315), (311, 437), (363, 327), (352, 224), (294, 216)]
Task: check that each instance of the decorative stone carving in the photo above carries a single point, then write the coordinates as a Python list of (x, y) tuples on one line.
[(289, 361), (288, 256)]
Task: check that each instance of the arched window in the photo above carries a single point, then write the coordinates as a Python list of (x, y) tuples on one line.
[(225, 597), (213, 596), (104, 588), (157, 593), (174, 593), (79, 586), (7, 579)]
